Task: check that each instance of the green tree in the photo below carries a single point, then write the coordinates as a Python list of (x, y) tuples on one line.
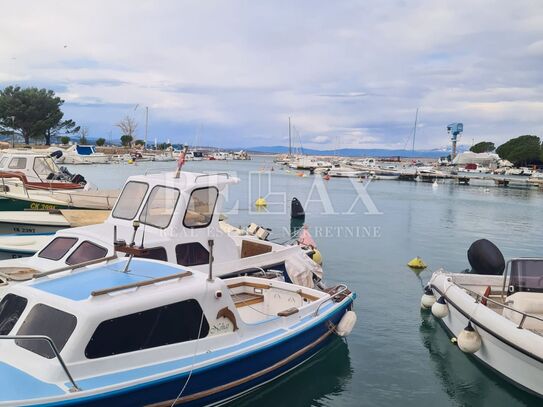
[(139, 142), (100, 142), (65, 140), (31, 113), (126, 140), (483, 147), (521, 150)]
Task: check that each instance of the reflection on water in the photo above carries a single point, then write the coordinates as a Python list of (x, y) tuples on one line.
[(312, 384), (464, 379)]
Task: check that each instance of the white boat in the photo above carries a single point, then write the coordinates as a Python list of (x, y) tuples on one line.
[(341, 171), (309, 163), (83, 154), (17, 246), (32, 222), (497, 318), (37, 170), (194, 156), (221, 155), (177, 216), (106, 334)]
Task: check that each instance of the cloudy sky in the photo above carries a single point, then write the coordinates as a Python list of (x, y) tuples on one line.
[(230, 73)]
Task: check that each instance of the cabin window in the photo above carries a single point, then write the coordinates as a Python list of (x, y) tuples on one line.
[(3, 162), (200, 208), (155, 253), (166, 325), (158, 209), (17, 163), (57, 248), (11, 308), (86, 251), (191, 254), (48, 321), (130, 200)]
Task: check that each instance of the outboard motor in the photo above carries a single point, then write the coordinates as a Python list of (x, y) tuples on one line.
[(485, 258), (78, 179), (56, 154)]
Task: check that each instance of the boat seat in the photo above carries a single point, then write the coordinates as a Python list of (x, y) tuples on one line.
[(528, 302), (244, 299)]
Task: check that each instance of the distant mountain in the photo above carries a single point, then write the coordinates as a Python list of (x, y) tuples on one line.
[(357, 152)]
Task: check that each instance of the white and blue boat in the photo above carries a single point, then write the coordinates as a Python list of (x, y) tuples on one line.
[(135, 332)]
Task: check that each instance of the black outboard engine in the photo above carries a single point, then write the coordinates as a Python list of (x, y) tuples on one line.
[(296, 209), (485, 258), (56, 154)]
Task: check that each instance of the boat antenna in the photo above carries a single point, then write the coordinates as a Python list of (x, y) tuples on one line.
[(181, 160), (415, 132), (210, 242)]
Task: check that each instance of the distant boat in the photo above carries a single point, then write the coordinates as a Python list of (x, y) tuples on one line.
[(83, 154)]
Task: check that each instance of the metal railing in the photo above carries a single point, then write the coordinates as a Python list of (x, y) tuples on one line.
[(479, 297), (332, 296), (74, 387), (225, 174)]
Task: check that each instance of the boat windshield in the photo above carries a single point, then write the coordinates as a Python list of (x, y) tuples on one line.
[(44, 166), (160, 205), (527, 275), (130, 200)]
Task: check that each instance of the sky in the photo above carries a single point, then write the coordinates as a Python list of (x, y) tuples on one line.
[(350, 74)]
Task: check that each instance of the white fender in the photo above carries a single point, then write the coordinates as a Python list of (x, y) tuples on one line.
[(346, 324)]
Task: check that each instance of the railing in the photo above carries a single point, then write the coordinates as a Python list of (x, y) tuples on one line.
[(211, 175), (74, 387), (479, 297), (332, 296)]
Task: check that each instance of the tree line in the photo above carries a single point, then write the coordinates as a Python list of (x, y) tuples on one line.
[(521, 151), (36, 114)]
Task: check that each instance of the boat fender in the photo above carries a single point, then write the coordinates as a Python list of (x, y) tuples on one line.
[(317, 257), (469, 341), (427, 299), (346, 324), (440, 308)]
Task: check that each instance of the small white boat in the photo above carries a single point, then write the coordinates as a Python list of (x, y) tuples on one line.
[(496, 316), (83, 154), (340, 171), (17, 246), (32, 222)]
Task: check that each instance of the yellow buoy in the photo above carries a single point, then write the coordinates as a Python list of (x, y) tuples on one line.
[(417, 263), (261, 202), (317, 257), (130, 162)]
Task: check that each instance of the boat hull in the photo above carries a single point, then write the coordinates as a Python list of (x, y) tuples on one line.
[(500, 354), (11, 204), (222, 382), (27, 228)]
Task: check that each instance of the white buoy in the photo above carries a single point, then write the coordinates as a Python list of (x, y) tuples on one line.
[(346, 324), (440, 308), (469, 341), (427, 299), (435, 184)]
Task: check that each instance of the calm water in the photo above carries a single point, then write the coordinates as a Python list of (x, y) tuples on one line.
[(396, 354)]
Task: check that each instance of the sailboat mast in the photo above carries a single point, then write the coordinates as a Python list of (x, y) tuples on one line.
[(289, 139), (146, 125), (415, 132)]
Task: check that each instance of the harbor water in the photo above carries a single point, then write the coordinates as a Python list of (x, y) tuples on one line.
[(367, 232)]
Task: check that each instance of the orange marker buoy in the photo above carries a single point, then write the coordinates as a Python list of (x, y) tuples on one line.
[(326, 177)]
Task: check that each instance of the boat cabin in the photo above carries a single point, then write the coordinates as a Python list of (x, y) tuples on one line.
[(35, 167)]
